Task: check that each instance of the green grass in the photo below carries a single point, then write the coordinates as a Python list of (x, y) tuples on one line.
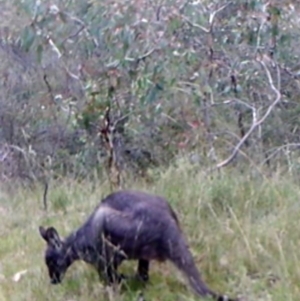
[(242, 231)]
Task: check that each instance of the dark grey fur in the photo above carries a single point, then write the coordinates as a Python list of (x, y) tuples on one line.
[(125, 225)]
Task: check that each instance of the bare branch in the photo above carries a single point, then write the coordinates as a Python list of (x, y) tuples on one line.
[(4, 156), (211, 18), (276, 150), (258, 122), (45, 194), (214, 13), (195, 25), (183, 6), (49, 88), (54, 47), (142, 57)]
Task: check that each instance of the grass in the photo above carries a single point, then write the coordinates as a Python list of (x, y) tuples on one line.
[(243, 233)]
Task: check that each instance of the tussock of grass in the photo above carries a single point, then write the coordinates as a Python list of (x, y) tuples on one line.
[(242, 231)]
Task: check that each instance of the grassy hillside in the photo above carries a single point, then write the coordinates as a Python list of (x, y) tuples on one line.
[(243, 233)]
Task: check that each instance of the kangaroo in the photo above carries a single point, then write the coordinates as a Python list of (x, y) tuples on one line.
[(126, 225)]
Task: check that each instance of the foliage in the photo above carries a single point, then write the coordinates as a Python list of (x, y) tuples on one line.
[(178, 77)]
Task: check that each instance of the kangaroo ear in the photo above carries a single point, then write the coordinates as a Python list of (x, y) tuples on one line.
[(43, 232), (51, 236)]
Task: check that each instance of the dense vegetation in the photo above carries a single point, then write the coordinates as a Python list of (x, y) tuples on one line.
[(144, 82), (195, 100)]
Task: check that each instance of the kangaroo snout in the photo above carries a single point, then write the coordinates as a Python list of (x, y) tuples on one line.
[(55, 281)]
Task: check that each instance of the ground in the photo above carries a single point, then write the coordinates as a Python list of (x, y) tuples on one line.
[(242, 230)]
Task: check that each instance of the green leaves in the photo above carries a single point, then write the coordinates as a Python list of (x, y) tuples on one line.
[(163, 67), (152, 94), (27, 38)]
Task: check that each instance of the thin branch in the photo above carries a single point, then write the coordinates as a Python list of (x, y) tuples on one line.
[(229, 101), (45, 194), (54, 47), (213, 14), (195, 25), (183, 6), (71, 74), (142, 57), (77, 21), (211, 19), (158, 12), (258, 122), (276, 150), (4, 153), (49, 88), (74, 35)]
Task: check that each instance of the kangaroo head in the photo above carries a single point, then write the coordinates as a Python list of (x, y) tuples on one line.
[(55, 256)]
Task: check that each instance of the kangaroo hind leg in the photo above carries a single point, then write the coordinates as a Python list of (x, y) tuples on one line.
[(143, 270)]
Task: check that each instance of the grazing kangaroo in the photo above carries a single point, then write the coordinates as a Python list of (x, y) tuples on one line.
[(125, 225)]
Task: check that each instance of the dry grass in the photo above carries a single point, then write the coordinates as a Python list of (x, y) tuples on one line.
[(242, 231)]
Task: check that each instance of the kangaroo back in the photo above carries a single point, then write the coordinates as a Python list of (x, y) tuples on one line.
[(128, 200)]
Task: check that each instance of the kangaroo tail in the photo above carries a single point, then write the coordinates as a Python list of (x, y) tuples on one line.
[(184, 261)]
